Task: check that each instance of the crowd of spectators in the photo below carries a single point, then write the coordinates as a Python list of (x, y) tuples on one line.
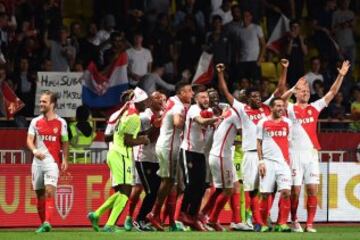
[(165, 38)]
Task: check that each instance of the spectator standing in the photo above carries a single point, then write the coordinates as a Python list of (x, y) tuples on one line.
[(139, 59), (224, 12), (296, 50), (25, 85), (191, 8), (62, 52), (337, 111), (153, 81), (252, 48), (343, 27), (314, 73), (322, 36), (189, 41)]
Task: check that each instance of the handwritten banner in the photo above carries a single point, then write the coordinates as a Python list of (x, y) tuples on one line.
[(67, 86)]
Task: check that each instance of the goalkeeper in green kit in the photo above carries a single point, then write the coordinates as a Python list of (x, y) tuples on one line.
[(120, 160)]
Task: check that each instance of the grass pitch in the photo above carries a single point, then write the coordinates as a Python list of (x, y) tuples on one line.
[(324, 233)]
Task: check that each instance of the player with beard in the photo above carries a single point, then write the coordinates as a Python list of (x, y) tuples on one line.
[(273, 137), (198, 118), (47, 134), (250, 114), (167, 151), (305, 145)]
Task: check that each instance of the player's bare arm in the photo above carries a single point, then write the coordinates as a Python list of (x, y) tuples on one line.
[(206, 121), (139, 140), (30, 144), (337, 84), (65, 150), (220, 68), (281, 87), (262, 168), (286, 96), (179, 121)]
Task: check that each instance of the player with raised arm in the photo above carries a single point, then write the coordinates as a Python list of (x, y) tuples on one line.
[(120, 159), (250, 115), (167, 151), (47, 135), (273, 136), (305, 145)]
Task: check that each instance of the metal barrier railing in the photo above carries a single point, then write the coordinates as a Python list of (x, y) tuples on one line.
[(98, 156), (24, 156)]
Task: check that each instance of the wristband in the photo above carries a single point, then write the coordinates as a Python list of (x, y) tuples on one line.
[(261, 162), (35, 151)]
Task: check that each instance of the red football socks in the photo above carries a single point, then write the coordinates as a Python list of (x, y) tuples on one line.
[(219, 205), (235, 207), (311, 209), (284, 210), (41, 208), (49, 208)]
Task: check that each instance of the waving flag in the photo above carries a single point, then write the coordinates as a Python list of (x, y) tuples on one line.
[(279, 34), (9, 103), (102, 90), (205, 69)]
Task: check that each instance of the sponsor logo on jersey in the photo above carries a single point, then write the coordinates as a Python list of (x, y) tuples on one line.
[(305, 120), (255, 117), (48, 138), (276, 133)]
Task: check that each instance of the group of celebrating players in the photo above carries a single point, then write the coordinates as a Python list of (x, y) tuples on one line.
[(175, 149)]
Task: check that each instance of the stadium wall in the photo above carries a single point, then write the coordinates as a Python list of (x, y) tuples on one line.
[(84, 188)]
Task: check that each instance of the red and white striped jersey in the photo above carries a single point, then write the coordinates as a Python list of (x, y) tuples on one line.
[(145, 153), (250, 118), (305, 124), (194, 133), (170, 136), (49, 135), (275, 138), (225, 134)]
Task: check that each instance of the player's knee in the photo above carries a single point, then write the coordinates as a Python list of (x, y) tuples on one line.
[(285, 193), (49, 192), (228, 191)]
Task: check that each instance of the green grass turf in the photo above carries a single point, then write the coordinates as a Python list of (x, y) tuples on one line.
[(324, 233)]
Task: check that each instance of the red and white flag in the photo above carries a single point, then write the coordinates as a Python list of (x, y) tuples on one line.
[(205, 69), (11, 104), (279, 35)]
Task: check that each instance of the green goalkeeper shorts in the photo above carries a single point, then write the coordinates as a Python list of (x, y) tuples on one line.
[(120, 168), (238, 158)]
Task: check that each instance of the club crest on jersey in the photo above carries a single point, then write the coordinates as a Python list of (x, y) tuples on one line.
[(64, 195), (309, 111), (261, 109), (56, 130)]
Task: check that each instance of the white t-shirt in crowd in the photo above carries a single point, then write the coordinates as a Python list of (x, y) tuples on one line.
[(311, 77), (249, 42), (139, 60)]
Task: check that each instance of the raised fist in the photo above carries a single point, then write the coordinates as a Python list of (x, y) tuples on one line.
[(220, 67)]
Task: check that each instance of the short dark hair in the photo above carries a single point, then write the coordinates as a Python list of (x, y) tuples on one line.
[(53, 96), (216, 17), (199, 88), (272, 101), (294, 21), (82, 113), (249, 91), (114, 35), (180, 86), (315, 58), (127, 95)]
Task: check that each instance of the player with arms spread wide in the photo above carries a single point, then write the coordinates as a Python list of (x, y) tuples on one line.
[(305, 145), (47, 134)]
